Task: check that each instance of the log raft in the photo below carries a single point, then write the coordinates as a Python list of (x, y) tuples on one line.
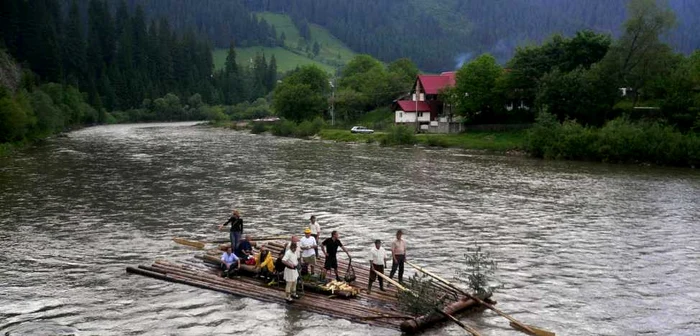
[(378, 308)]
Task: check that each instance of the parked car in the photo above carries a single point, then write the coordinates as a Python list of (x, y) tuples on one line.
[(361, 129)]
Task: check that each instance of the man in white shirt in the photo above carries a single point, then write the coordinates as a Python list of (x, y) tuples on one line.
[(229, 263), (308, 244), (315, 231), (295, 240), (377, 262)]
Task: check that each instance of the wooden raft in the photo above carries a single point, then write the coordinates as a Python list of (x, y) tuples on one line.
[(380, 308)]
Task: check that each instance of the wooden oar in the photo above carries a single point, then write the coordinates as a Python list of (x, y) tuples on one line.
[(513, 322), (192, 243), (399, 286), (262, 238)]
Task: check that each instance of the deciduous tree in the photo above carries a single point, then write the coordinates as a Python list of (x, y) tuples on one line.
[(476, 83)]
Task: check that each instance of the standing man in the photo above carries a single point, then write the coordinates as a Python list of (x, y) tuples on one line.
[(315, 231), (308, 244), (398, 254), (332, 244), (229, 263), (236, 228), (377, 262), (294, 240), (291, 274)]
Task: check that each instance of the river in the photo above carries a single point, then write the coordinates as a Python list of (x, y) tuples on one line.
[(583, 249)]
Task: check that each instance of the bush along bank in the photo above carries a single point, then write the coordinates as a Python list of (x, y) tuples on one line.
[(618, 141)]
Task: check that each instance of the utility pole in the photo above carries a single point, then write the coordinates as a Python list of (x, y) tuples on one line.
[(416, 99), (332, 101)]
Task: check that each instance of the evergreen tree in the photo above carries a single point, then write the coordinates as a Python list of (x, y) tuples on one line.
[(74, 62), (164, 47), (316, 48), (271, 79), (40, 39)]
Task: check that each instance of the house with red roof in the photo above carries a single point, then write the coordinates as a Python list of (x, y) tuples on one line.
[(424, 108)]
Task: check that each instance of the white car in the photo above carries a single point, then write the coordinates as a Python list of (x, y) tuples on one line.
[(361, 129)]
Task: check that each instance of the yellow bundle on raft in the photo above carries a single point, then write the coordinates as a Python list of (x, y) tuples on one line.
[(340, 286)]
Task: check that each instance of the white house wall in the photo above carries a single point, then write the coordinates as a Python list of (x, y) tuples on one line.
[(410, 117), (403, 117)]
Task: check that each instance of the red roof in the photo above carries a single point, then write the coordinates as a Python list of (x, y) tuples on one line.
[(432, 84), (410, 106)]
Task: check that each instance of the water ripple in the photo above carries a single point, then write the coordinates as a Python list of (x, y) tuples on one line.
[(583, 249)]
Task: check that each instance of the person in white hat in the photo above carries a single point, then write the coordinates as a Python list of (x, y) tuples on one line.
[(308, 244)]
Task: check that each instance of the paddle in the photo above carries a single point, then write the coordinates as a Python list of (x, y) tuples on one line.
[(520, 326), (263, 238), (195, 244), (399, 286)]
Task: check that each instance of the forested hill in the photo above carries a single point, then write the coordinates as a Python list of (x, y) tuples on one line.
[(222, 21), (437, 34), (440, 34)]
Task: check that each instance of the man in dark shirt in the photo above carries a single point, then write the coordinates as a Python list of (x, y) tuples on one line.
[(330, 251), (236, 228), (245, 248)]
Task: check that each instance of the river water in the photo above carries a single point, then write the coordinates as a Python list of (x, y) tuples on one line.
[(583, 249)]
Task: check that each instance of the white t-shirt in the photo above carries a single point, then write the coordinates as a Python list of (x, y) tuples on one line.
[(315, 228), (377, 256), (307, 242), (298, 252), (290, 274)]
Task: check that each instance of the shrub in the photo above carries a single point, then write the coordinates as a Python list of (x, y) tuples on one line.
[(618, 141), (480, 272), (542, 135), (258, 127), (399, 135), (308, 128), (283, 128), (214, 113), (436, 141)]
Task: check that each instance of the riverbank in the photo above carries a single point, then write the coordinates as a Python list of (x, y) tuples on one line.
[(619, 141), (501, 141), (7, 148), (493, 141)]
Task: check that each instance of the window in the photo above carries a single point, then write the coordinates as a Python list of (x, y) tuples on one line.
[(420, 114)]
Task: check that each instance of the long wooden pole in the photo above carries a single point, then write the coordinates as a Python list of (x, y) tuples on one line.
[(523, 327), (195, 244), (399, 286)]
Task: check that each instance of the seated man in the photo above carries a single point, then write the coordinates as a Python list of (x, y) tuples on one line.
[(229, 263), (265, 263), (245, 249)]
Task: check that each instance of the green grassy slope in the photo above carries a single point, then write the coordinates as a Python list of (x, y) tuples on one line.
[(286, 60), (333, 55)]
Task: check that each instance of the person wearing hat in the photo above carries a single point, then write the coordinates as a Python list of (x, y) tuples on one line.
[(377, 262), (308, 254)]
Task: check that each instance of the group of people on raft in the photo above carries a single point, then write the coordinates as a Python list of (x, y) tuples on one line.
[(300, 254)]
